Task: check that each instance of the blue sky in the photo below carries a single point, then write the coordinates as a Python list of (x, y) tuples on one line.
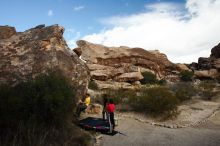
[(116, 22), (80, 15)]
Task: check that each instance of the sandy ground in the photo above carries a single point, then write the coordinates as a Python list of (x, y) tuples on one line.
[(135, 133), (206, 132)]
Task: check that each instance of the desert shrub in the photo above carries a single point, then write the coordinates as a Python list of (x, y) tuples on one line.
[(149, 78), (207, 89), (93, 85), (183, 91), (47, 99), (155, 101), (120, 96), (162, 82), (186, 75), (38, 112), (39, 135)]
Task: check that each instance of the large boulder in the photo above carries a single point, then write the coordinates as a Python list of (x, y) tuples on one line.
[(27, 54), (215, 52), (121, 64), (208, 67), (212, 74), (182, 67), (129, 77), (216, 63), (204, 63), (6, 32)]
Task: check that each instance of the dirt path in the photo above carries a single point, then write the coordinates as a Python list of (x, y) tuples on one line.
[(135, 133)]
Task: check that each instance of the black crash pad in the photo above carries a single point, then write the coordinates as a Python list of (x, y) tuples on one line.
[(94, 124)]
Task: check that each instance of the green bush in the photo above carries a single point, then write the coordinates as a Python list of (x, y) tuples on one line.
[(149, 78), (48, 99), (207, 89), (186, 76), (39, 135), (184, 91), (162, 82), (38, 113), (120, 96), (93, 85), (155, 101)]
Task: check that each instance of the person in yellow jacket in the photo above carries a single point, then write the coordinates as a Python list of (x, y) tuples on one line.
[(83, 104)]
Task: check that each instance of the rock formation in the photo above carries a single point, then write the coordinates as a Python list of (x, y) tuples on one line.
[(25, 55), (6, 32), (121, 66), (208, 67)]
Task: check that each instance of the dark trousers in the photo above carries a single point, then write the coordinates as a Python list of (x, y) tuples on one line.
[(112, 120), (104, 113), (81, 107)]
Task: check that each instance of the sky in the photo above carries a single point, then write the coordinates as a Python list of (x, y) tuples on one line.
[(182, 29)]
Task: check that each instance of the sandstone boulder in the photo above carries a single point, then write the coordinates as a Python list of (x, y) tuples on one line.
[(121, 64), (94, 109), (215, 52), (216, 63), (209, 67), (129, 77), (25, 55), (182, 67), (193, 66), (204, 63), (116, 85), (6, 32), (212, 73)]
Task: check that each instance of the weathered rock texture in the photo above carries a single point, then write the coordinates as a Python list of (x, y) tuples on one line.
[(25, 55), (121, 64), (208, 67), (6, 32)]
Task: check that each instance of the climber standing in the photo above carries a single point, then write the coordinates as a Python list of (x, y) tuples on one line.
[(110, 109)]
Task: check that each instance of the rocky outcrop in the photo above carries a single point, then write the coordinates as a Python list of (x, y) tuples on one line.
[(27, 54), (121, 64), (6, 32), (204, 63), (208, 67), (182, 67), (215, 52), (212, 73)]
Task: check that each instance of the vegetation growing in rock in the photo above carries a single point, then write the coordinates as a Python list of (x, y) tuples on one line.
[(186, 76), (149, 78), (38, 112), (93, 85)]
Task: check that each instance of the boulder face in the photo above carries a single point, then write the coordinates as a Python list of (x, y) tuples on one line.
[(27, 54), (121, 64), (215, 52), (211, 74), (6, 32), (208, 67)]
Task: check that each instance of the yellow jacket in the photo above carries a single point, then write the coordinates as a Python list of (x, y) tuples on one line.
[(87, 100)]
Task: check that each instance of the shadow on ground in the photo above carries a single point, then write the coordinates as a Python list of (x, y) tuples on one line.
[(98, 125)]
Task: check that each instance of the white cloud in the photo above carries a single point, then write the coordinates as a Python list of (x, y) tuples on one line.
[(50, 13), (183, 32), (78, 8), (72, 36)]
